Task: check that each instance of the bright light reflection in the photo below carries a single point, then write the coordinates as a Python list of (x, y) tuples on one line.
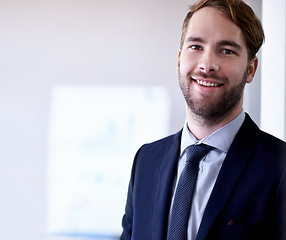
[(94, 134)]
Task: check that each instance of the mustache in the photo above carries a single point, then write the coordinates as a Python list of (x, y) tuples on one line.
[(207, 76)]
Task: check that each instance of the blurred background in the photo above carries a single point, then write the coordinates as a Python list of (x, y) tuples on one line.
[(82, 85)]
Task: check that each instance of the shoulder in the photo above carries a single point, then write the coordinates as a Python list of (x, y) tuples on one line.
[(272, 148), (266, 145), (252, 134), (160, 146), (165, 141), (152, 154)]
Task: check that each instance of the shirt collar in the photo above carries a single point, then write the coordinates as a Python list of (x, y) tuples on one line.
[(220, 139)]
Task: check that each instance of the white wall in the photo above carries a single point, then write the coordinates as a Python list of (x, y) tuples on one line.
[(78, 42), (273, 94), (252, 95)]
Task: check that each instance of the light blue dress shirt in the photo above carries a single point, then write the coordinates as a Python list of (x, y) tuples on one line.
[(209, 166)]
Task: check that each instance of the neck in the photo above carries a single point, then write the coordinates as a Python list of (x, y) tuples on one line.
[(202, 128)]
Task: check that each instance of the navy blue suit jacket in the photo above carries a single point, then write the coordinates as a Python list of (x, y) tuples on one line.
[(247, 202)]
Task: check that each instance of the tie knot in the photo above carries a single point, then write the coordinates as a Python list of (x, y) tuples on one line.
[(196, 152)]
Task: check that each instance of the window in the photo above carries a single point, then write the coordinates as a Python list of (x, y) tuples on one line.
[(94, 135)]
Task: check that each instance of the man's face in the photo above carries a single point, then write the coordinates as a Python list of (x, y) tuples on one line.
[(213, 65)]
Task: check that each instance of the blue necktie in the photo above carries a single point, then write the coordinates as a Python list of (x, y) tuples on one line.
[(180, 213)]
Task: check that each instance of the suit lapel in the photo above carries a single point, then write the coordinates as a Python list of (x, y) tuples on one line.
[(239, 154), (164, 188)]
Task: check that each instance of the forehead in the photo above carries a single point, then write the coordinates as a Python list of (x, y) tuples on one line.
[(212, 25)]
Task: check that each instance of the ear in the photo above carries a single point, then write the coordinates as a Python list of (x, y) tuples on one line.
[(252, 69), (178, 61)]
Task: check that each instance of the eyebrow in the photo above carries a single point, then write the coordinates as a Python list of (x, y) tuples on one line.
[(195, 39), (220, 43), (230, 43)]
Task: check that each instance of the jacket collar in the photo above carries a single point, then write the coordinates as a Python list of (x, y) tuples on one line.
[(237, 158), (164, 188)]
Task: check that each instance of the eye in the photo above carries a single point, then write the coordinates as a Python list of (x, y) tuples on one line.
[(228, 52), (195, 47)]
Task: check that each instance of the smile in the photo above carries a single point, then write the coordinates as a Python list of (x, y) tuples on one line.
[(206, 83)]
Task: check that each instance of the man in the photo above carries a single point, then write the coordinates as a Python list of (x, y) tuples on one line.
[(240, 188)]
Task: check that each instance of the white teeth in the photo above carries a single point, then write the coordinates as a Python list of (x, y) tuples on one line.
[(207, 84)]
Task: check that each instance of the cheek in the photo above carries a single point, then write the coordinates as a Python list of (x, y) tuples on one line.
[(186, 64), (235, 74)]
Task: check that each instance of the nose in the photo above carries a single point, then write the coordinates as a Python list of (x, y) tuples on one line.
[(208, 62)]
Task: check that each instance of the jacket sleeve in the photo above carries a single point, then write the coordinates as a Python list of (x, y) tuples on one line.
[(127, 220), (281, 209)]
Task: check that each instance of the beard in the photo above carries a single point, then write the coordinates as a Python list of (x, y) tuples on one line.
[(213, 112)]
